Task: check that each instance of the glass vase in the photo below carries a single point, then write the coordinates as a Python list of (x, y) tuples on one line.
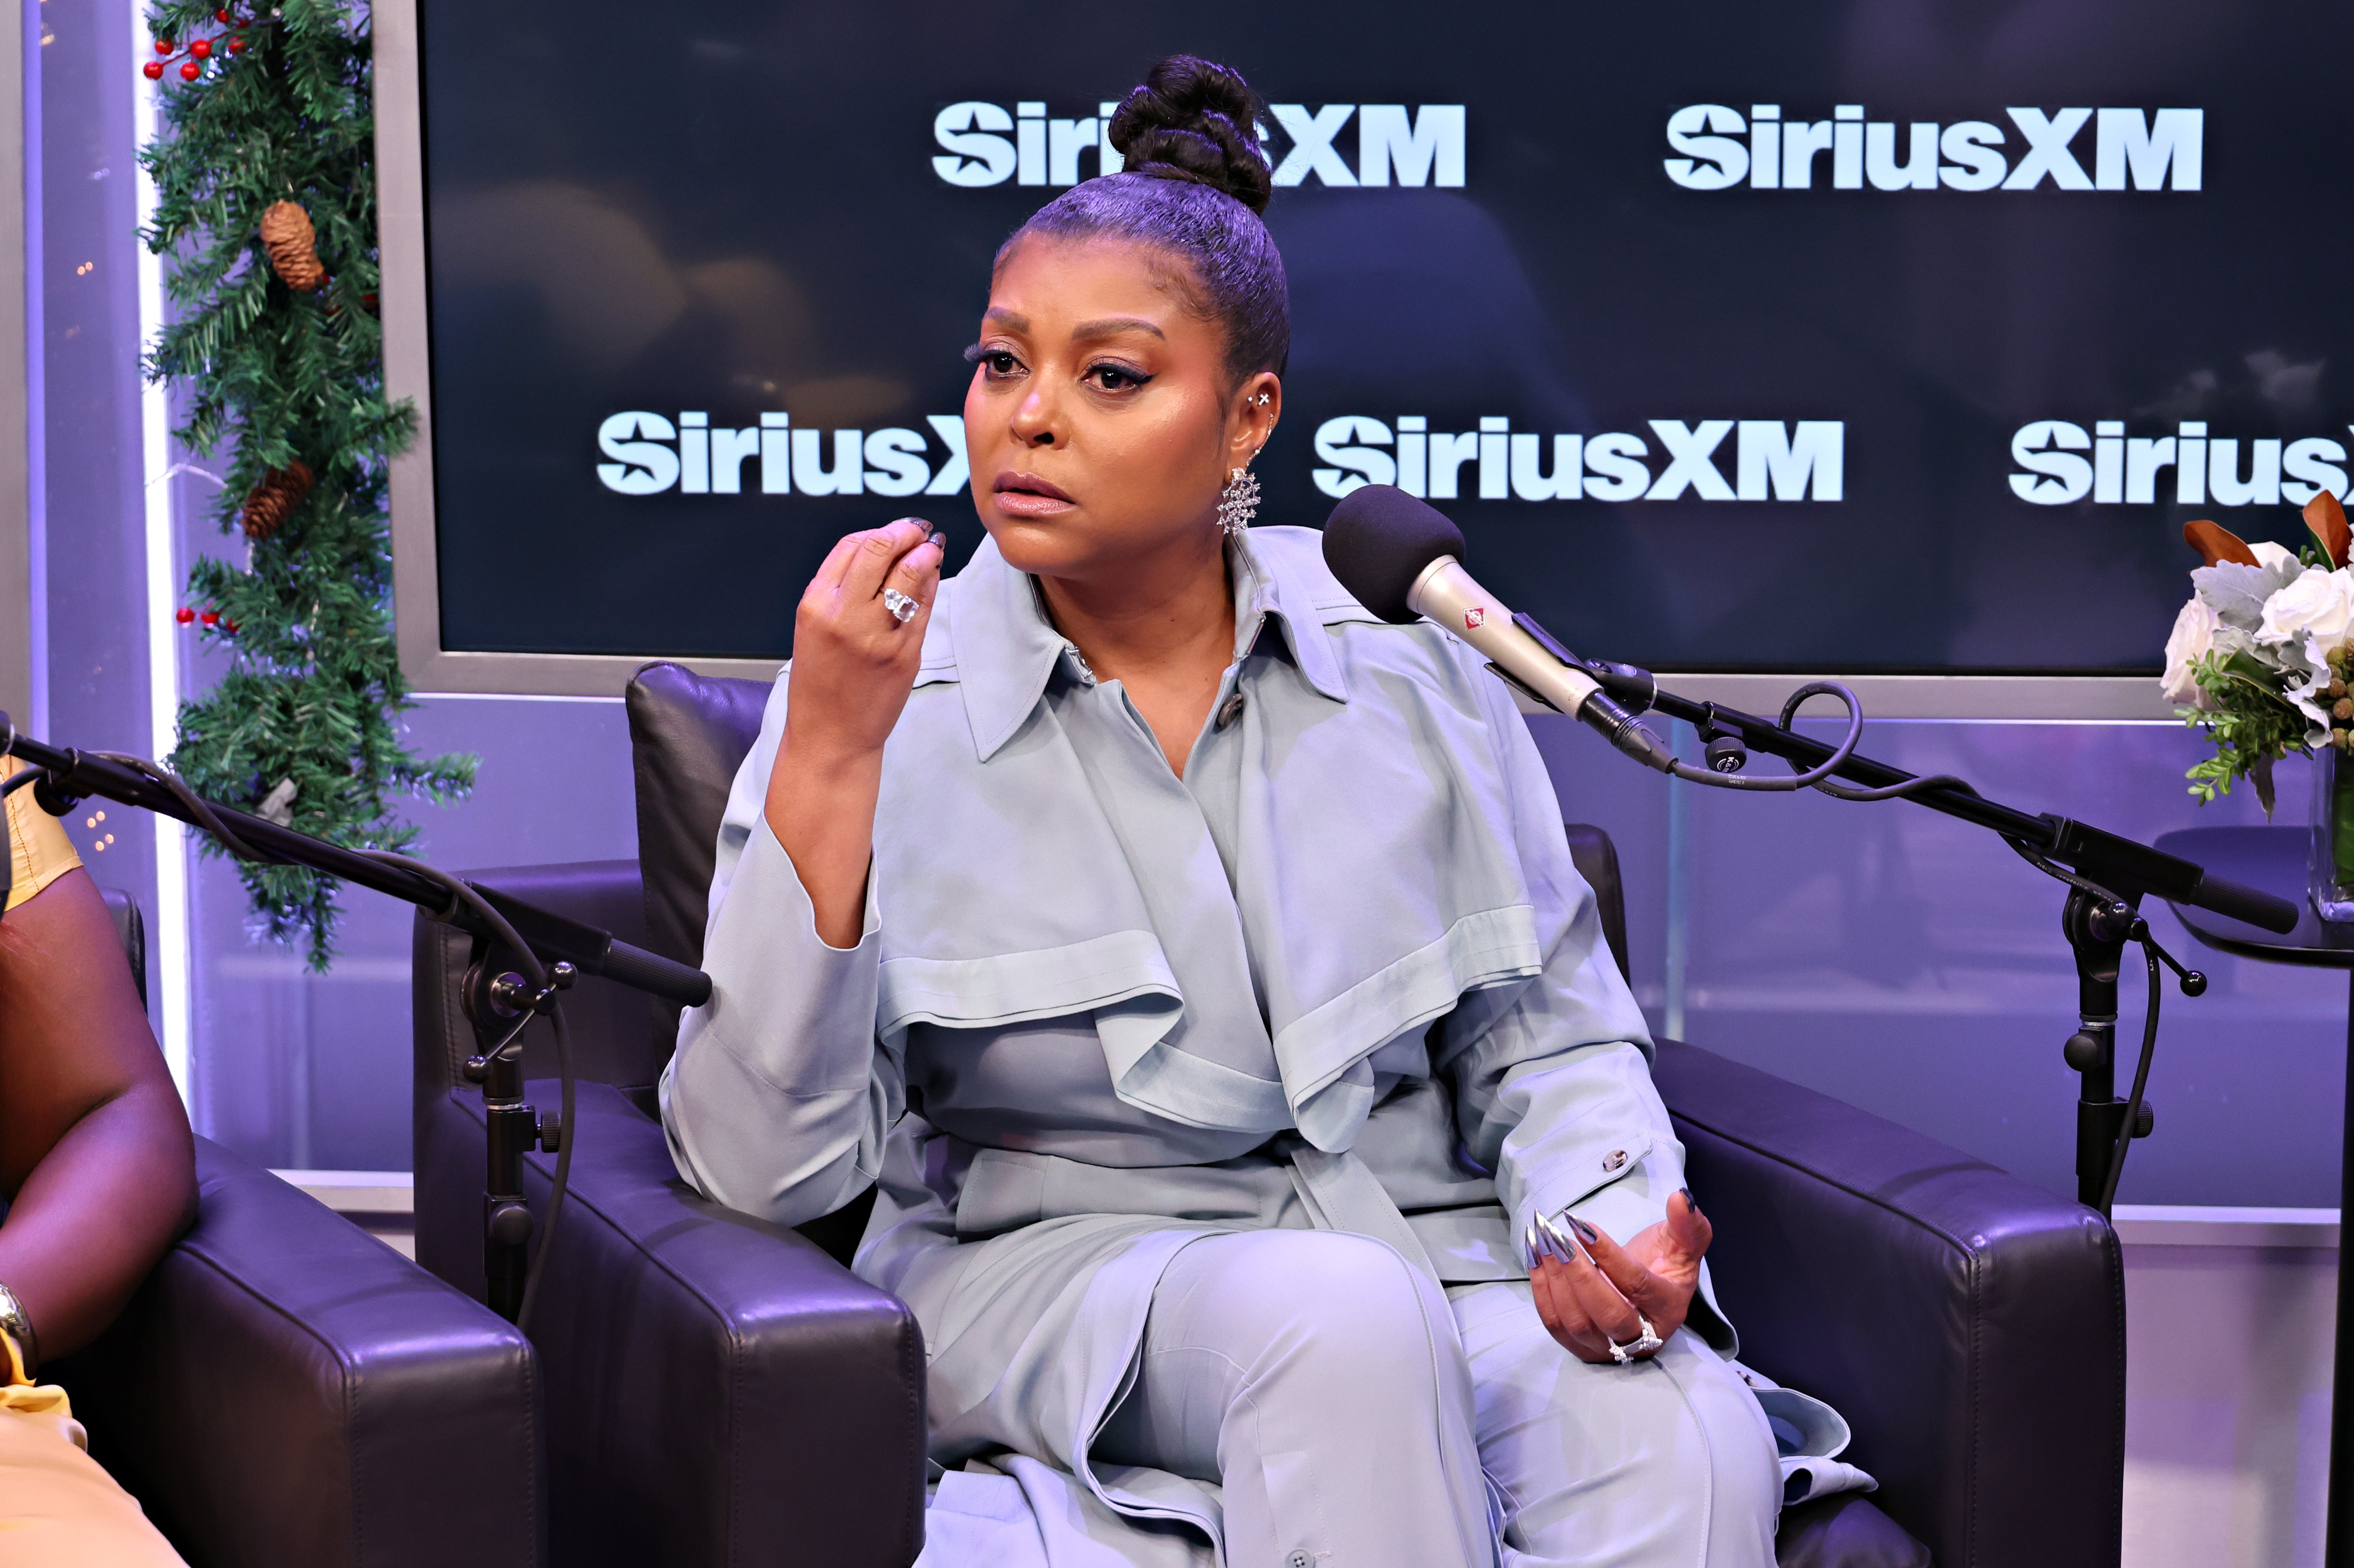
[(2331, 875)]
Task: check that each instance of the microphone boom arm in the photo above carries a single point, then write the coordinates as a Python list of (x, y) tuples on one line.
[(498, 1003), (2120, 864), (74, 775)]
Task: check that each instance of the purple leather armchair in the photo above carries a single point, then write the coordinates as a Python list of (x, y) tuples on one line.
[(721, 1390), (285, 1391)]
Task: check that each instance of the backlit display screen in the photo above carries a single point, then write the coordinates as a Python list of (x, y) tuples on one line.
[(1833, 337)]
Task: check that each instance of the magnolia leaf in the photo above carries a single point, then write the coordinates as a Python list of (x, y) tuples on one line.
[(2260, 773), (2326, 521), (2215, 543)]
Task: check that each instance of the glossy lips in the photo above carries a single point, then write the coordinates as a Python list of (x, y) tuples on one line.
[(1027, 495)]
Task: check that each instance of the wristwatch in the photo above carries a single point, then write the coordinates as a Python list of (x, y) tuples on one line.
[(19, 1328)]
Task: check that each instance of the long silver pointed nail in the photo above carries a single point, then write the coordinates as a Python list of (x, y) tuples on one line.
[(1563, 1246), (1529, 1245)]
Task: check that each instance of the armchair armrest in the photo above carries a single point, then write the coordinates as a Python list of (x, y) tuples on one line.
[(1969, 1325), (285, 1389), (718, 1389)]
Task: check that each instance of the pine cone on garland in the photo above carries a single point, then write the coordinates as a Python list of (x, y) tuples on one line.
[(287, 235), (281, 490)]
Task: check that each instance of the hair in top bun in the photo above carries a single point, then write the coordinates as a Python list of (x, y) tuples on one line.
[(1194, 186), (1191, 120)]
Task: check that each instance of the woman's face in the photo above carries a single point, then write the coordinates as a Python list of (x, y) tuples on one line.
[(1098, 424)]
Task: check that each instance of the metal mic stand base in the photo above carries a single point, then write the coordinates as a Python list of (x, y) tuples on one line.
[(499, 1002), (2097, 929)]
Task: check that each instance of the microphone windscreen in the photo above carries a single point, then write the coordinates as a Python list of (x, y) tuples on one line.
[(1377, 542)]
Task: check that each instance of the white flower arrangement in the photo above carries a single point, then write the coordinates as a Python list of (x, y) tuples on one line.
[(2259, 657)]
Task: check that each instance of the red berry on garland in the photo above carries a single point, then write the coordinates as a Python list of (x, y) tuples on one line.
[(210, 617), (163, 45), (221, 16), (229, 627), (236, 46), (184, 616), (202, 49), (190, 71), (153, 70)]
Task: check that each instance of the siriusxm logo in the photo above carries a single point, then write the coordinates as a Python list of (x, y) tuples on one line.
[(2198, 470), (1772, 459), (649, 454), (2131, 150), (1421, 145)]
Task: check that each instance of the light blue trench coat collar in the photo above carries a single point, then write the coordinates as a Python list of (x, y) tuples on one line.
[(997, 638), (1374, 877)]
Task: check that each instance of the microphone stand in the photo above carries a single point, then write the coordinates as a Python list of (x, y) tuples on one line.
[(521, 957), (2107, 877)]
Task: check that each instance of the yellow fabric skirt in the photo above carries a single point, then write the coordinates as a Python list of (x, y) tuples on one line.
[(57, 1506)]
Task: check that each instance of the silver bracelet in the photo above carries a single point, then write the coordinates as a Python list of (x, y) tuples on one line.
[(19, 1328)]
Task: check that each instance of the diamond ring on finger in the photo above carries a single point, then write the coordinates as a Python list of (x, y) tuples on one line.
[(902, 607), (1642, 1345)]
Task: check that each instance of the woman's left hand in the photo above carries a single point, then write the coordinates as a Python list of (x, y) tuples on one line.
[(1606, 1295)]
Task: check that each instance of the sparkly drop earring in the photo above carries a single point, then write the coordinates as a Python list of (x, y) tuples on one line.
[(1238, 501)]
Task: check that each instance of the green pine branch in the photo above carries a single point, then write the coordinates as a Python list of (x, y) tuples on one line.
[(314, 690)]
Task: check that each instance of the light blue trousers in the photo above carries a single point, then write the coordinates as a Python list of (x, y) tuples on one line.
[(1334, 1396)]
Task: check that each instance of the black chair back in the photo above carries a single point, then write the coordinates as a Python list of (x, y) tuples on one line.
[(1596, 859), (688, 733), (131, 929)]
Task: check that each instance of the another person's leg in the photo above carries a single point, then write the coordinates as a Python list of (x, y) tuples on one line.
[(1666, 1462), (57, 1506), (1318, 1379)]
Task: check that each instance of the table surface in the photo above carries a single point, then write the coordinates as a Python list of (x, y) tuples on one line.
[(2273, 860)]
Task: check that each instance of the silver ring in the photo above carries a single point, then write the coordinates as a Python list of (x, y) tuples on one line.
[(902, 607), (1644, 1345)]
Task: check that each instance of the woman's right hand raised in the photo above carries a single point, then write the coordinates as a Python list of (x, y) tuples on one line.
[(853, 664)]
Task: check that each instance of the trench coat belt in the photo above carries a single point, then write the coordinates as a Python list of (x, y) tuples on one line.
[(1342, 1194)]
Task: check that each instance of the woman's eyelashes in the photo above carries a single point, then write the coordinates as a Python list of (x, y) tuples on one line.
[(1106, 375), (997, 364)]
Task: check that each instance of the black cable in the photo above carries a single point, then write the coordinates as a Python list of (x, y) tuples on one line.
[(1953, 781), (196, 806), (2141, 1081), (1813, 777), (460, 893), (560, 1183), (18, 780)]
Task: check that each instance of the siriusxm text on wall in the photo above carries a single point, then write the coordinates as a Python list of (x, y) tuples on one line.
[(1805, 460)]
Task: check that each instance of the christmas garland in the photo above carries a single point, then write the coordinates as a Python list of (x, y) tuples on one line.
[(266, 216)]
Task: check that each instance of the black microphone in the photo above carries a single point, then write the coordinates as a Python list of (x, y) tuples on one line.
[(1403, 560)]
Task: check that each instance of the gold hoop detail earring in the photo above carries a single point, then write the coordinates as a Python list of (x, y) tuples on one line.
[(1238, 501)]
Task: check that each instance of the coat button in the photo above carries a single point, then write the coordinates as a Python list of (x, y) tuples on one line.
[(1229, 711), (1614, 1159), (1297, 1560)]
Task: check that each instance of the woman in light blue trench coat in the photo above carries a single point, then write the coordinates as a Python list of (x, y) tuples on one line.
[(1265, 1142)]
